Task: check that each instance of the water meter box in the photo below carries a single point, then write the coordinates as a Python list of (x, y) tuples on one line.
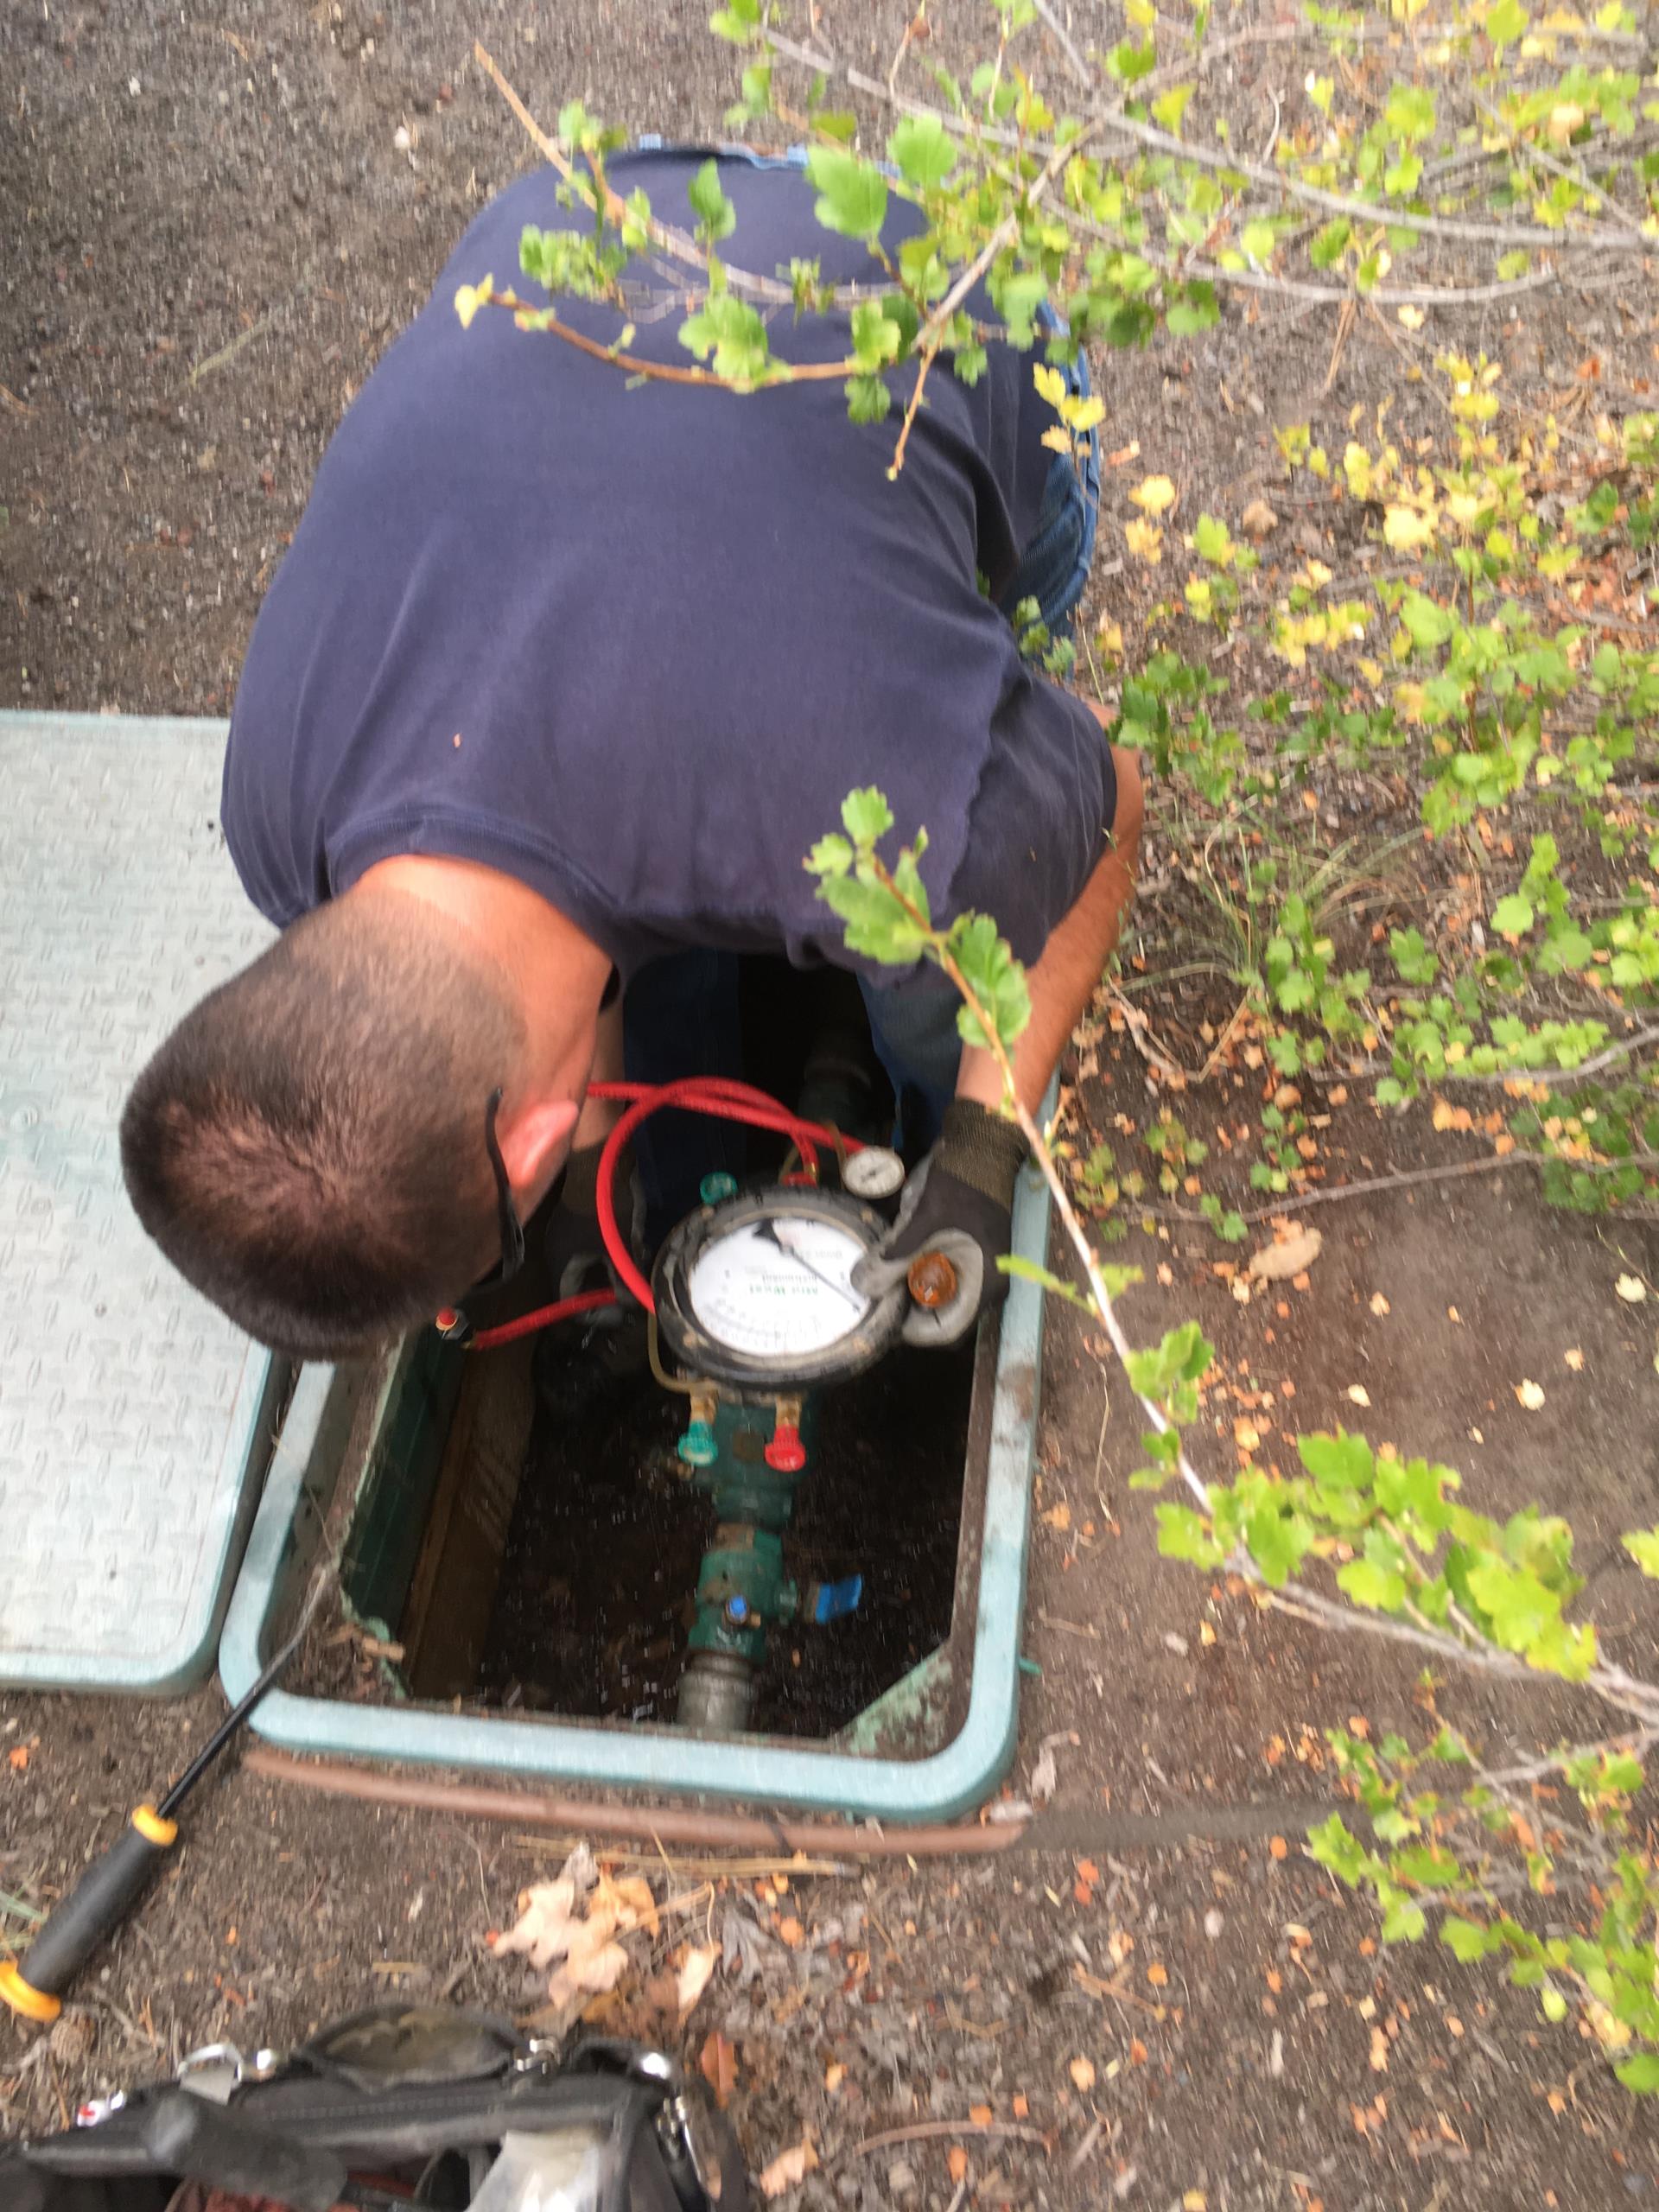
[(422, 1457)]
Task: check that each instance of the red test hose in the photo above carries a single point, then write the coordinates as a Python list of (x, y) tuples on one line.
[(721, 1099)]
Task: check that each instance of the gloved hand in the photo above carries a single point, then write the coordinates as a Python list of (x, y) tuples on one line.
[(960, 1202)]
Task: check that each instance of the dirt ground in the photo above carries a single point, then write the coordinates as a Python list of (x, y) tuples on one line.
[(212, 232)]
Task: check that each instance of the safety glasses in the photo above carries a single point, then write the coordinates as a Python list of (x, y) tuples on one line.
[(513, 1230)]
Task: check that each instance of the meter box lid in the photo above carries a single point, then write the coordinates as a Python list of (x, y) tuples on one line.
[(131, 1410)]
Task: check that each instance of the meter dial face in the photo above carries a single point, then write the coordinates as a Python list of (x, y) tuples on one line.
[(756, 1292), (778, 1287), (873, 1172)]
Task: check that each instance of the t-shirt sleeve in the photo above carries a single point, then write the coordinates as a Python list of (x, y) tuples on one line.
[(1040, 819)]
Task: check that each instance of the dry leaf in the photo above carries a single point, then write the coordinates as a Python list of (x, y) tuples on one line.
[(1144, 540), (956, 2159), (1021, 2106), (1379, 2051), (1082, 2071), (1631, 1289), (791, 1932), (789, 2169), (1380, 1305), (1258, 520), (1154, 495), (1359, 1393), (1158, 1976), (1059, 1517), (696, 1970), (1277, 1847), (1531, 1395), (717, 2064), (833, 2078), (1277, 1262), (1574, 1360), (1413, 317), (542, 1928), (981, 2116)]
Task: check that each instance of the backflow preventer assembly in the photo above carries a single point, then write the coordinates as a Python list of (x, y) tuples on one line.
[(752, 1301)]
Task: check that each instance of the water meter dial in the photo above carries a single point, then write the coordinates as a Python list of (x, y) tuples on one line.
[(756, 1292)]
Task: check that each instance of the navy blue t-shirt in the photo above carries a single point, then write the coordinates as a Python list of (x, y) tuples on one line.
[(634, 643)]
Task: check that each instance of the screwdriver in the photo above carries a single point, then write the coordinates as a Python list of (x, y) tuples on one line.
[(112, 1886)]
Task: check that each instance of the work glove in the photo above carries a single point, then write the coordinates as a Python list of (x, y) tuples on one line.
[(958, 1203)]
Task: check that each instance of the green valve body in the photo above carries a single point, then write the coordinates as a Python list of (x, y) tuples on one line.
[(742, 1587)]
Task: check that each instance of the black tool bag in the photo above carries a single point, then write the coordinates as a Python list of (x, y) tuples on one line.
[(393, 2107)]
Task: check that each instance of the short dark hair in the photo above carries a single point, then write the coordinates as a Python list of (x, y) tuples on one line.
[(308, 1145)]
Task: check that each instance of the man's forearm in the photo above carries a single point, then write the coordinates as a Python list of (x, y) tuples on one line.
[(1065, 978)]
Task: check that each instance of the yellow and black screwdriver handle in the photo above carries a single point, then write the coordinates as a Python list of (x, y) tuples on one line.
[(94, 1909), (113, 1883)]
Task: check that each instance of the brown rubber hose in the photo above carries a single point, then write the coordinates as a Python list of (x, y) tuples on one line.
[(1084, 1829)]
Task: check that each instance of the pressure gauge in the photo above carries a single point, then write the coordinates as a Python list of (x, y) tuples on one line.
[(873, 1172), (757, 1291)]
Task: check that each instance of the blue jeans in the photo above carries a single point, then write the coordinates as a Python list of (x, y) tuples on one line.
[(681, 1014)]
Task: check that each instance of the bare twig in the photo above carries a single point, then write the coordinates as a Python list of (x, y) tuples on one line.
[(934, 2130), (778, 372)]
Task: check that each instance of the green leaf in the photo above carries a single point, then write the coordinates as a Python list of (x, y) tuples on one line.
[(1182, 1535), (1412, 956), (1513, 265), (1410, 112), (832, 856), (731, 330), (1642, 1545), (1017, 297), (1466, 1939), (852, 194), (1554, 2004), (1640, 2073), (714, 211), (1403, 1921), (1506, 21), (874, 923), (1195, 310), (1427, 624), (1332, 1845), (1258, 240), (1376, 1588), (1512, 917), (994, 976), (1343, 1461), (1327, 247), (866, 816), (1277, 1542), (922, 151), (874, 335), (867, 399)]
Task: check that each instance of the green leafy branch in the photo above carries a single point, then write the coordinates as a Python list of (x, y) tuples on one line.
[(1410, 1563)]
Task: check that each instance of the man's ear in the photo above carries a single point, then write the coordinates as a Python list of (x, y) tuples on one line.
[(531, 1143)]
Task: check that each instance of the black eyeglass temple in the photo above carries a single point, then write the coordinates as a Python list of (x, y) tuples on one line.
[(512, 1231)]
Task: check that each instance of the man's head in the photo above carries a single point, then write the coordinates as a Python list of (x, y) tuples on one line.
[(308, 1145)]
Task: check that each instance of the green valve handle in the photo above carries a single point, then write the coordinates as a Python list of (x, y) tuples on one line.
[(698, 1447), (716, 1186), (94, 1909)]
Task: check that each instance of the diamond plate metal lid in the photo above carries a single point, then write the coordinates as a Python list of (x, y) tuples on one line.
[(130, 1407)]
